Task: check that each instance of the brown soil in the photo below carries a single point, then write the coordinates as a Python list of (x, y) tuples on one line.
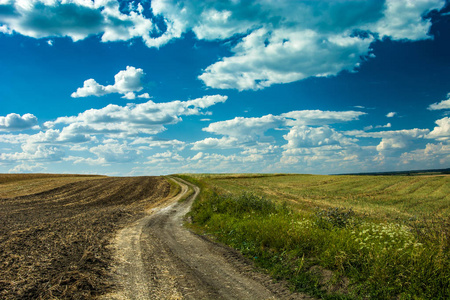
[(55, 244)]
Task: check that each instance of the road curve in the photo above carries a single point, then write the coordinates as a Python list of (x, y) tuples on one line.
[(158, 258)]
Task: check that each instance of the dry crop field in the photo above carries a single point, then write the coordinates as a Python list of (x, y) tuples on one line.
[(55, 231)]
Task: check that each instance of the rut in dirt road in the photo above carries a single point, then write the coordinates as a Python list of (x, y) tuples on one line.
[(157, 258)]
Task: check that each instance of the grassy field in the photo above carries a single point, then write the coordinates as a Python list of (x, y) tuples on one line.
[(389, 197), (55, 231), (336, 237)]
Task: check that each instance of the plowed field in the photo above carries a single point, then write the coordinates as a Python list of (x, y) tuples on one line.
[(55, 237)]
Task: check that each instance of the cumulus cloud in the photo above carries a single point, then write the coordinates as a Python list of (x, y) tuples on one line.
[(307, 137), (442, 131), (145, 96), (26, 168), (4, 29), (76, 19), (290, 55), (126, 82), (148, 117), (276, 41), (165, 157), (13, 122), (432, 156), (34, 152), (444, 104), (394, 141), (245, 127), (250, 133), (249, 127), (388, 125), (403, 19), (13, 138), (320, 117), (311, 38), (111, 151), (215, 143), (391, 114)]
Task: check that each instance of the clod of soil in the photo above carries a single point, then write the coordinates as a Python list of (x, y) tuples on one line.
[(55, 244)]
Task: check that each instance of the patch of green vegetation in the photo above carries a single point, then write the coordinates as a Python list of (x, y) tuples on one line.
[(381, 197), (328, 251)]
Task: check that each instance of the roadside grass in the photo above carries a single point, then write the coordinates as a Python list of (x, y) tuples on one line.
[(326, 250), (380, 197)]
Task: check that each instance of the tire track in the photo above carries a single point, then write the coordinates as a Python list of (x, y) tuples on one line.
[(157, 258)]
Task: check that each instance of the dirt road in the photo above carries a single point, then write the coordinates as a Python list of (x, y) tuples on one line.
[(157, 258)]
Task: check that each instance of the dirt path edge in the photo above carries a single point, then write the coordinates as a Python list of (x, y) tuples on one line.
[(158, 258)]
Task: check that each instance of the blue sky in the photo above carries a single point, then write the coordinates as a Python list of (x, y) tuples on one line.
[(158, 87)]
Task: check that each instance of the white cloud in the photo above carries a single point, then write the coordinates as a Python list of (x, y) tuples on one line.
[(320, 117), (13, 138), (165, 157), (276, 41), (394, 141), (151, 142), (76, 19), (306, 137), (148, 117), (291, 55), (129, 96), (214, 143), (86, 160), (111, 151), (391, 114), (126, 82), (34, 152), (442, 131), (4, 29), (432, 156), (444, 104), (197, 156), (245, 127), (388, 125), (403, 19), (310, 38), (413, 133), (145, 96), (24, 168), (13, 122), (242, 132)]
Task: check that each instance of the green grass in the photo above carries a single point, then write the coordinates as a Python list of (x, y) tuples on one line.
[(384, 248), (387, 197)]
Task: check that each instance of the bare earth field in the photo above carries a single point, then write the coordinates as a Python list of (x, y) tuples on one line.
[(55, 231)]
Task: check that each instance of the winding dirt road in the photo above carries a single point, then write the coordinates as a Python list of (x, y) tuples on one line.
[(157, 258)]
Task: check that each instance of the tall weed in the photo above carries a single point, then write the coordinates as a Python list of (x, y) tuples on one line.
[(379, 260)]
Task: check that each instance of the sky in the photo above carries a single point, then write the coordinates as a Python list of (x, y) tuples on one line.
[(131, 88)]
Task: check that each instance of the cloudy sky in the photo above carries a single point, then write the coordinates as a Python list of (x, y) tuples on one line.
[(165, 86)]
